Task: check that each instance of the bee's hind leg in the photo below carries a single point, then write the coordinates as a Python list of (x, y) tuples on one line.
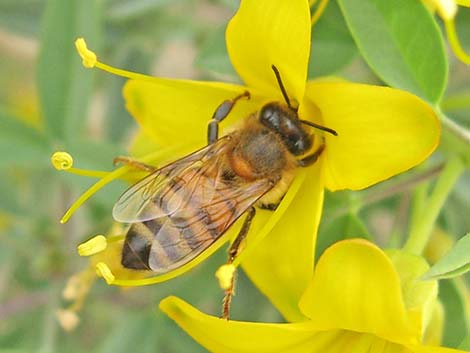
[(134, 164), (233, 252), (270, 206), (220, 114)]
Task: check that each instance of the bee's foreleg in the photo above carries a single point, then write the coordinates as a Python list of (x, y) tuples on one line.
[(233, 251), (311, 158), (220, 114), (134, 164)]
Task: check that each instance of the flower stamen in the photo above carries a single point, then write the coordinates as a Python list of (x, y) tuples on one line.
[(225, 275), (68, 319), (102, 270), (90, 60), (63, 161), (93, 246), (109, 177)]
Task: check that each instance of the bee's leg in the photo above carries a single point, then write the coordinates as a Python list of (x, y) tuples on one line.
[(220, 114), (269, 206), (311, 158), (134, 164), (233, 251)]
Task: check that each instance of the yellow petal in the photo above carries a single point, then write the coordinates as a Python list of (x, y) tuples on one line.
[(271, 32), (228, 336), (222, 336), (281, 266), (175, 111), (381, 132), (142, 144), (355, 287)]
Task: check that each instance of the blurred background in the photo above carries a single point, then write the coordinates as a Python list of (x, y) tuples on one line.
[(49, 102)]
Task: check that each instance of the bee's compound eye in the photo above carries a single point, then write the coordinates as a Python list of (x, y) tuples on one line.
[(269, 116), (301, 145)]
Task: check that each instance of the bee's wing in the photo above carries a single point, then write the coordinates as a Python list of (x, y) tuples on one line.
[(190, 230), (138, 203)]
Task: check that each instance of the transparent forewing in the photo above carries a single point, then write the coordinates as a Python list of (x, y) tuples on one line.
[(142, 201), (187, 232)]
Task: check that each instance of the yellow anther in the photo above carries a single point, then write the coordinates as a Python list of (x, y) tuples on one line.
[(68, 319), (62, 160), (93, 246), (88, 57), (225, 275), (102, 270)]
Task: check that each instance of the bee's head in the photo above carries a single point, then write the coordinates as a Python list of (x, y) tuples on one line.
[(284, 122)]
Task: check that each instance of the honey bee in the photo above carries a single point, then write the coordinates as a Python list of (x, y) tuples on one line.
[(179, 210)]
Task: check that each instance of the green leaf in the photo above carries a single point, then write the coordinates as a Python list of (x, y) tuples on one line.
[(9, 197), (213, 56), (120, 10), (332, 45), (20, 144), (455, 263), (21, 16), (64, 84), (401, 42), (453, 295), (465, 345)]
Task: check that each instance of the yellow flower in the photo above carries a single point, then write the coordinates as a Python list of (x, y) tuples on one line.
[(447, 10), (101, 250), (358, 300), (381, 132)]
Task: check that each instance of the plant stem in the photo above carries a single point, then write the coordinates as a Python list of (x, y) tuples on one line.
[(424, 222), (457, 130), (418, 208)]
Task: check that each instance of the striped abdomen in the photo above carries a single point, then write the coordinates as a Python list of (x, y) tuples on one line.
[(199, 208)]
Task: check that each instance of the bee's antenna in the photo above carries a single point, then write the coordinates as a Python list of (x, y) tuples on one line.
[(323, 128), (286, 98), (281, 86)]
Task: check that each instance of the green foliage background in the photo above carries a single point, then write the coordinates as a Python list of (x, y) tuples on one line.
[(49, 102)]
